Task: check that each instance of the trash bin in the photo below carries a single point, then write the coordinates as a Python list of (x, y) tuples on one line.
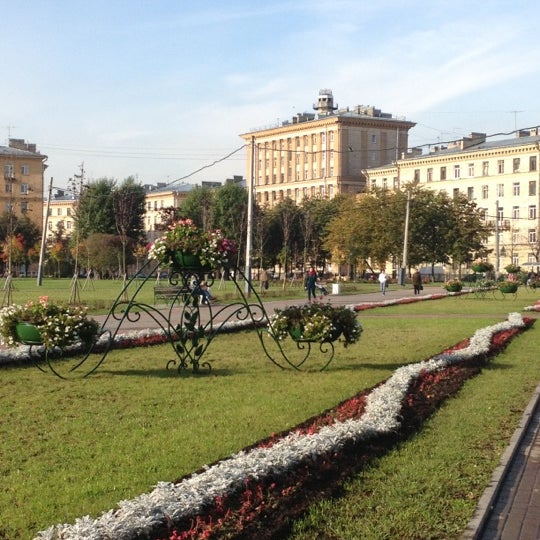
[(336, 288)]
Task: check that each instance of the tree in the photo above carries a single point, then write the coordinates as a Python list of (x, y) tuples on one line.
[(198, 206), (287, 216), (230, 204), (95, 211), (104, 253), (128, 205)]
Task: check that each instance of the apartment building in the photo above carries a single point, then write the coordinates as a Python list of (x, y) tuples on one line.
[(322, 154), (22, 192), (501, 176), (61, 211)]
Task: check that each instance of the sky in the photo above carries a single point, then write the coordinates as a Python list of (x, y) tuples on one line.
[(162, 89)]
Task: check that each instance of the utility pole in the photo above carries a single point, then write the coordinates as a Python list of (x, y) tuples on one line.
[(44, 236), (249, 227), (403, 269)]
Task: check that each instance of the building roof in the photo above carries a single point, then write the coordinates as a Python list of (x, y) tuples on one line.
[(17, 152)]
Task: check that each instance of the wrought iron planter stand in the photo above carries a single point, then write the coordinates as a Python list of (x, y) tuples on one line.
[(183, 327)]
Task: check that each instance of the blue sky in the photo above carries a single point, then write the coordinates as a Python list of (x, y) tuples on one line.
[(161, 88)]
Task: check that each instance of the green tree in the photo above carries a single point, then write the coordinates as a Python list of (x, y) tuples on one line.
[(230, 204), (199, 206), (129, 207), (94, 212)]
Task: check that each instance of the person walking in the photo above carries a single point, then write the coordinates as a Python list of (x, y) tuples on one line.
[(417, 282), (383, 280), (310, 284)]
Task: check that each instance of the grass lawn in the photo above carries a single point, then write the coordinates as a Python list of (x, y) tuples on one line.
[(70, 448)]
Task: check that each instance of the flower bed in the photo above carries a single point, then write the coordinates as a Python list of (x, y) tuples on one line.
[(254, 493)]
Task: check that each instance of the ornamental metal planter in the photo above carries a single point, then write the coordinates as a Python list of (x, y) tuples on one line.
[(28, 334)]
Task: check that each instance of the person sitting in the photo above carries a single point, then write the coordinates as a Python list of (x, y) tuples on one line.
[(203, 290)]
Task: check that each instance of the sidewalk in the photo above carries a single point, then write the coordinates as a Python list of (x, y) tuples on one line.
[(509, 509)]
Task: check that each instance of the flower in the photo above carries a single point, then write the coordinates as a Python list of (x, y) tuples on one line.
[(58, 325), (316, 322), (453, 285), (212, 248)]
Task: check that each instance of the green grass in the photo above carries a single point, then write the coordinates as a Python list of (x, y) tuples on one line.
[(70, 448)]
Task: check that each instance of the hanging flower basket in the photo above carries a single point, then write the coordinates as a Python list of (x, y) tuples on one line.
[(184, 239), (509, 287), (453, 285), (320, 323), (46, 323), (512, 269), (480, 267)]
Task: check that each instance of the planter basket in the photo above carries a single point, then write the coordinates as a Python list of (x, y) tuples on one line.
[(28, 334), (189, 261), (509, 288), (482, 267), (454, 288)]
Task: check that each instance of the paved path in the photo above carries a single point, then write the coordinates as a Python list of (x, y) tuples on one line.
[(509, 509)]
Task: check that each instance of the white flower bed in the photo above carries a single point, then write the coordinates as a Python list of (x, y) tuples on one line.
[(168, 501)]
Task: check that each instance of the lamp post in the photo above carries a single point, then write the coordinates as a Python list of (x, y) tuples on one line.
[(403, 269)]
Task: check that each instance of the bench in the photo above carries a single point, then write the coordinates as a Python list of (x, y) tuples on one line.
[(169, 293)]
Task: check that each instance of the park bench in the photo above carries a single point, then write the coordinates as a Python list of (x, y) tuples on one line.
[(169, 293)]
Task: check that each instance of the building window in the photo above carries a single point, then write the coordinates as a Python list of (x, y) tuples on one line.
[(471, 169), (485, 168), (314, 138), (373, 139), (532, 188), (470, 193), (485, 191), (24, 207), (500, 190), (430, 174), (500, 166), (68, 225), (532, 211), (532, 236), (483, 213), (515, 212), (58, 211), (515, 189), (331, 136), (24, 188), (457, 171), (443, 173), (25, 170), (455, 192), (8, 171), (532, 163), (9, 187), (50, 226), (330, 191), (515, 164), (417, 175)]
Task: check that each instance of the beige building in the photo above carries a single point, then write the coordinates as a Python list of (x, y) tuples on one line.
[(22, 191), (502, 177), (61, 212), (323, 154)]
